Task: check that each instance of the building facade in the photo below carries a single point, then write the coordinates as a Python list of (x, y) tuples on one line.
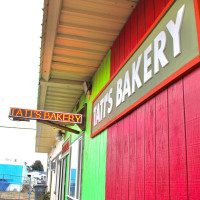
[(142, 116), (12, 175)]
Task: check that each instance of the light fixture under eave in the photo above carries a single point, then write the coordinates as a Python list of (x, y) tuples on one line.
[(87, 86), (60, 135), (53, 146)]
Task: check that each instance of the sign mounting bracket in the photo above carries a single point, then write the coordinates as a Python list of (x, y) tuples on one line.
[(53, 124)]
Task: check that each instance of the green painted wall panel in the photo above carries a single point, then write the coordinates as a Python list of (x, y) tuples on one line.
[(94, 150)]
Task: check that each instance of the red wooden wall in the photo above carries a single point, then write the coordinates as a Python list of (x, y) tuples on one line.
[(154, 152), (139, 22)]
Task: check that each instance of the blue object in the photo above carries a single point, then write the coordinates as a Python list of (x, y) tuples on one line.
[(73, 182), (7, 171), (73, 175), (3, 185)]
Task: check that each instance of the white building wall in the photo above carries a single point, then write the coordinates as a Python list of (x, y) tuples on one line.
[(51, 157), (34, 174)]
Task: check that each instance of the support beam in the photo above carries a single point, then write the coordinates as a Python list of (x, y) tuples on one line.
[(45, 138), (60, 46), (71, 97), (88, 28), (52, 106), (59, 126), (84, 39), (83, 111), (62, 83), (42, 97), (93, 14)]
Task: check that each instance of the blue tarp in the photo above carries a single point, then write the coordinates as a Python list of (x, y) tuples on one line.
[(3, 184)]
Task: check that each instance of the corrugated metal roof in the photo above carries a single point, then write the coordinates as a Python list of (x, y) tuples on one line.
[(76, 36)]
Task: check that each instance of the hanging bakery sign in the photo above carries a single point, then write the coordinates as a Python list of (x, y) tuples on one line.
[(27, 114), (163, 56)]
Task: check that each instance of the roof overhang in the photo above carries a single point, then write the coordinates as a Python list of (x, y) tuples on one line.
[(76, 36)]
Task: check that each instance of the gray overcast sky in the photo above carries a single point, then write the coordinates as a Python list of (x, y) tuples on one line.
[(19, 71)]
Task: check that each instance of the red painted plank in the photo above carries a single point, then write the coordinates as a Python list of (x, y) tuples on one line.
[(150, 150), (178, 167), (112, 60), (141, 19), (128, 37), (134, 29), (132, 156), (192, 116), (140, 153), (121, 46), (113, 163), (167, 1), (159, 6), (149, 13), (117, 44), (120, 127), (125, 173), (162, 147), (108, 164)]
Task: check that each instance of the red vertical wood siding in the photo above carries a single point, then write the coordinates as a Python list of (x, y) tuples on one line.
[(149, 13), (159, 146), (162, 147), (127, 37), (134, 29), (112, 60), (141, 19), (120, 131), (154, 152), (139, 22), (178, 175), (159, 6), (192, 117), (117, 53), (122, 46), (140, 140), (113, 163), (167, 1), (150, 161), (125, 159), (108, 165), (132, 156)]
